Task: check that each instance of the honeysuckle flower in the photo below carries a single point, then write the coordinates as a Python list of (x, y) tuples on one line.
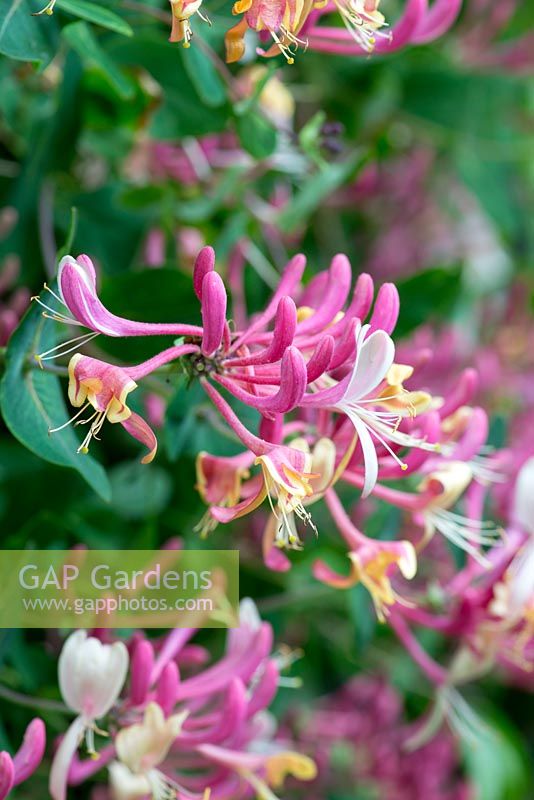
[(91, 677), (219, 482), (371, 562), (78, 295), (364, 21), (444, 487), (354, 397), (279, 18), (182, 11), (140, 749), (264, 770), (104, 388), (417, 24), (14, 770)]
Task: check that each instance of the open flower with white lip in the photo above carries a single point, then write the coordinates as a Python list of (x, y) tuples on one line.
[(364, 21), (91, 676), (103, 388), (141, 748), (358, 394)]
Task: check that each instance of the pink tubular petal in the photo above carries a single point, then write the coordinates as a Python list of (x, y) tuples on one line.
[(140, 430), (230, 719), (293, 380), (213, 312), (224, 514), (362, 300), (322, 572), (168, 687), (288, 283), (78, 291), (346, 346), (173, 645), (7, 774), (474, 436), (338, 287), (204, 264), (31, 752), (140, 672), (284, 331), (403, 30), (439, 19), (320, 360), (386, 310), (62, 760), (462, 394), (265, 690)]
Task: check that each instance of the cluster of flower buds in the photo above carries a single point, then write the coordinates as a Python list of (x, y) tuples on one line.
[(283, 27), (358, 737), (185, 728), (332, 406)]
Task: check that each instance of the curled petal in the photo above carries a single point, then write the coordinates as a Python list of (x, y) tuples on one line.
[(213, 312), (66, 751), (327, 575), (339, 278), (31, 751), (204, 264), (462, 393), (141, 670), (140, 430), (284, 331), (320, 360), (386, 310), (168, 688), (7, 774)]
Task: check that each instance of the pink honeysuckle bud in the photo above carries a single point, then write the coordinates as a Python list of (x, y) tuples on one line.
[(321, 359), (140, 672), (31, 752), (438, 20), (337, 290), (360, 305), (285, 324), (168, 687), (213, 312), (386, 310), (7, 774), (462, 394), (293, 381), (77, 291), (204, 264)]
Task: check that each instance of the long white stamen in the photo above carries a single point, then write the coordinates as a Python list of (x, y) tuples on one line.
[(79, 341), (69, 421)]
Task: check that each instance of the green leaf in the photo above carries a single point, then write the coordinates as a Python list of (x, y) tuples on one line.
[(204, 77), (256, 134), (497, 764), (32, 402), (97, 14), (81, 39), (139, 490), (21, 35), (315, 189)]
